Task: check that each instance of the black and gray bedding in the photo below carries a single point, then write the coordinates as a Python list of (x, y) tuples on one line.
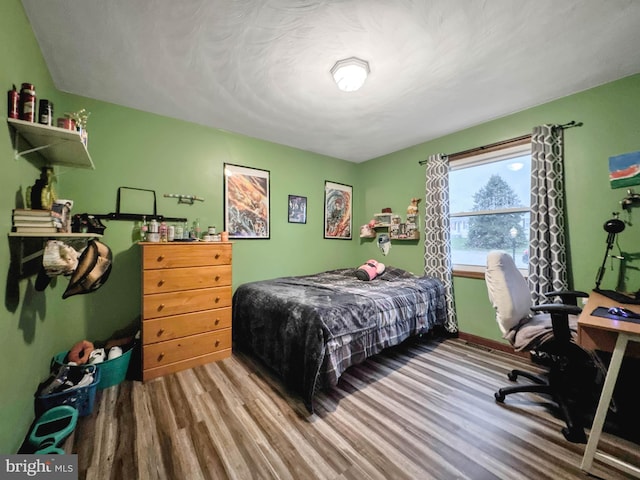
[(310, 329)]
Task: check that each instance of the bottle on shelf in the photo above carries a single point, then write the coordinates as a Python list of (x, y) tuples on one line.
[(13, 109), (28, 102), (196, 228), (144, 228), (163, 232)]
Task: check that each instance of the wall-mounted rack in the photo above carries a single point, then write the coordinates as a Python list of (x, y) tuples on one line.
[(133, 217)]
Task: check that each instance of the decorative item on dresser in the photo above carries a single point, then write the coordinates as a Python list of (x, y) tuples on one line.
[(186, 305)]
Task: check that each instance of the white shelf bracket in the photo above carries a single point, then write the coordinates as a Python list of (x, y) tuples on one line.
[(20, 153)]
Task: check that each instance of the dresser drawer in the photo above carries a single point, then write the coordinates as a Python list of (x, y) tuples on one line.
[(185, 255), (190, 362), (187, 278), (163, 353), (176, 303), (176, 326)]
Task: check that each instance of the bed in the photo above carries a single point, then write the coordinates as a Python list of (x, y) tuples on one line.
[(310, 329)]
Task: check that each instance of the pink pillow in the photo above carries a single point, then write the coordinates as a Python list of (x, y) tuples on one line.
[(370, 270)]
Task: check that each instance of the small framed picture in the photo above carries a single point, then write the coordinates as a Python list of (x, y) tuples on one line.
[(338, 210), (297, 209)]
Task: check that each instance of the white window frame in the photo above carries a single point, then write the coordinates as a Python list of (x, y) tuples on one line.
[(482, 159)]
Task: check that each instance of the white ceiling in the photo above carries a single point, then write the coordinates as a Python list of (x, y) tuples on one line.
[(261, 67)]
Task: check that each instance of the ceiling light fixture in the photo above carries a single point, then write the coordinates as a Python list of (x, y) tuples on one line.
[(350, 73)]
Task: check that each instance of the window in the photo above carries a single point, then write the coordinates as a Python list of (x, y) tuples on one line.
[(489, 195)]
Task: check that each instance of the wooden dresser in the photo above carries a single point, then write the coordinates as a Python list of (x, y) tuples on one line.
[(186, 305)]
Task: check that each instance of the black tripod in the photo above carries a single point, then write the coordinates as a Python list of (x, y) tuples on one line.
[(612, 227)]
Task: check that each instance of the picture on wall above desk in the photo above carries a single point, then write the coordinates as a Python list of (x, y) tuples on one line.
[(624, 170), (246, 202), (338, 204)]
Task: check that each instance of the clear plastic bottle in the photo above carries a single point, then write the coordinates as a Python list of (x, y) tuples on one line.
[(153, 226), (144, 228), (196, 228)]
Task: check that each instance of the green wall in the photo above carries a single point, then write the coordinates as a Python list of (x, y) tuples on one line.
[(611, 118), (135, 149)]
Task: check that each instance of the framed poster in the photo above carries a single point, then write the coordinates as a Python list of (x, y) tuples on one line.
[(338, 210), (246, 202), (297, 209), (624, 170)]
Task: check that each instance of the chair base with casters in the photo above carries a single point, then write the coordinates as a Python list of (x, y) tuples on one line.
[(574, 431)]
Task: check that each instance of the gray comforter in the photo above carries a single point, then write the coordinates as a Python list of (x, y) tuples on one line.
[(309, 329)]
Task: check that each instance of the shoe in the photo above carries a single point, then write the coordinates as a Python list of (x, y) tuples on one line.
[(97, 356), (85, 381), (114, 352)]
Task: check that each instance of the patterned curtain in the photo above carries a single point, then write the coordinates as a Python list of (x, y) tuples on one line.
[(437, 246), (547, 244)]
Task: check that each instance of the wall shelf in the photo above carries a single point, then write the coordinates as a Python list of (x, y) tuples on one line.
[(397, 229), (58, 146), (55, 235), (26, 248)]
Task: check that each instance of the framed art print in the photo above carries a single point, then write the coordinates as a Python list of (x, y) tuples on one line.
[(297, 209), (246, 202), (338, 210)]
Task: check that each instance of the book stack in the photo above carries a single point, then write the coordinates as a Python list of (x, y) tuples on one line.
[(27, 220)]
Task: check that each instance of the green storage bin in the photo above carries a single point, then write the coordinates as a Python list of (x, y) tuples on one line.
[(112, 372)]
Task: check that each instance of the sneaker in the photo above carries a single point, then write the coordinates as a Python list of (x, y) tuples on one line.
[(114, 352), (97, 356)]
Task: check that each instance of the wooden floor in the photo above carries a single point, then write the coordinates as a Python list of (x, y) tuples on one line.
[(420, 411)]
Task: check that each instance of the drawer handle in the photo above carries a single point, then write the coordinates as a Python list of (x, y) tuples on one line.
[(217, 321), (216, 256), (160, 332), (217, 278), (161, 306), (217, 299), (217, 343), (160, 283), (161, 356), (160, 258)]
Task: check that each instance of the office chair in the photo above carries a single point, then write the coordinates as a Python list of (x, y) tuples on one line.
[(548, 331)]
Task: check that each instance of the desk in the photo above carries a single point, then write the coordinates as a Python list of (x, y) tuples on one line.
[(598, 332)]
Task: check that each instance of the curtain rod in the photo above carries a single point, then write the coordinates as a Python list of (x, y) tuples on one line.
[(495, 145)]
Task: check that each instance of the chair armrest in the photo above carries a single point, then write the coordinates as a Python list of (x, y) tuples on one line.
[(561, 308), (559, 318), (567, 296)]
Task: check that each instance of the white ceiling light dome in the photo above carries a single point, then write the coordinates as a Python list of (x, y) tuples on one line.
[(350, 73)]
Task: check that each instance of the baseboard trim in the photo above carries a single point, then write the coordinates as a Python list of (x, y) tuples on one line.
[(492, 344)]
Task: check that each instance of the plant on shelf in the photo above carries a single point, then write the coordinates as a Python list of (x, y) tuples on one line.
[(80, 118)]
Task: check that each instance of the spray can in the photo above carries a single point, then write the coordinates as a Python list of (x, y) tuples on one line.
[(13, 101)]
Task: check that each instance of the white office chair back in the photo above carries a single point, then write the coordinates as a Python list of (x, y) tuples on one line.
[(508, 290)]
